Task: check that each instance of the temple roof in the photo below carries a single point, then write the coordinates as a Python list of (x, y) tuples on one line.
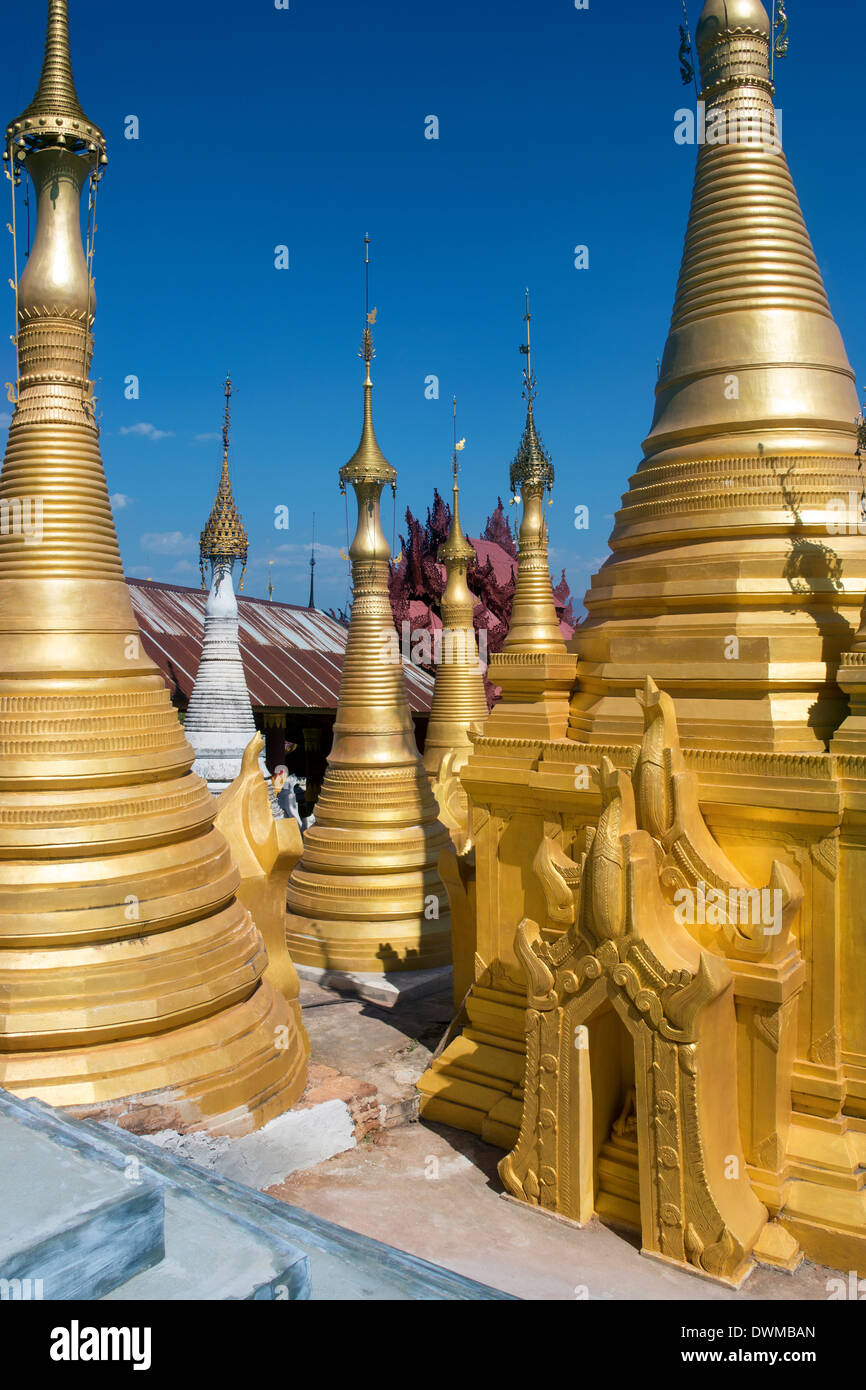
[(292, 656)]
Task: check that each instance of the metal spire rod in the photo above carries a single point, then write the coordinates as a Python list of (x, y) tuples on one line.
[(526, 348), (688, 69), (454, 405), (227, 424), (312, 602), (367, 351)]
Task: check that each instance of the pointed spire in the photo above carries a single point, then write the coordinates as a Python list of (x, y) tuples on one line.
[(534, 625), (459, 701), (368, 462), (312, 602), (55, 115), (224, 539), (532, 462), (456, 546)]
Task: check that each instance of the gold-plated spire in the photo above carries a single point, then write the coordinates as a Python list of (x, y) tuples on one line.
[(726, 580), (534, 669), (532, 465), (534, 625), (459, 700), (368, 463), (131, 977), (224, 540), (55, 115), (366, 895)]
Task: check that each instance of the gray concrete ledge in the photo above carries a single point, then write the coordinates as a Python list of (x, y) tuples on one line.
[(386, 991)]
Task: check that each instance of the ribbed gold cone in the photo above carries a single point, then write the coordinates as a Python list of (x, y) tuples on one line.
[(56, 103), (130, 974), (459, 700), (726, 580), (366, 895)]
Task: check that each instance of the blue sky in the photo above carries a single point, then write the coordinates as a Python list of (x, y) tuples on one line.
[(306, 128)]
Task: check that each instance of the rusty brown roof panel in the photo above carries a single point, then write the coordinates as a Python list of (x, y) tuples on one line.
[(293, 657)]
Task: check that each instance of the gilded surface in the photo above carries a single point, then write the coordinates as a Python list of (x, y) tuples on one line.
[(129, 969), (627, 950), (723, 578), (366, 895)]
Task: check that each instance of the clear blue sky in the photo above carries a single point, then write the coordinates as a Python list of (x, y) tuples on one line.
[(305, 127)]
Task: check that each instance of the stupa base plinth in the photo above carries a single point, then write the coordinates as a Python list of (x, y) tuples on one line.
[(476, 1083), (850, 737), (229, 1074), (536, 689), (385, 948), (829, 1225)]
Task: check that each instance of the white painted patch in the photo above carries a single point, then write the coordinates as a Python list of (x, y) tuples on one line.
[(296, 1140)]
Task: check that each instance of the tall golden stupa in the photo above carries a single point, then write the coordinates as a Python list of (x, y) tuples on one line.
[(366, 897), (131, 977), (474, 1084), (711, 789), (723, 579), (534, 670), (459, 701)]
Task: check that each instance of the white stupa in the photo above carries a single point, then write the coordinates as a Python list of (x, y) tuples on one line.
[(219, 718)]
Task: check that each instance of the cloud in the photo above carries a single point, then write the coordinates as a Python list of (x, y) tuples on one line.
[(166, 542), (185, 567), (207, 438), (119, 501), (5, 419), (291, 556), (147, 431)]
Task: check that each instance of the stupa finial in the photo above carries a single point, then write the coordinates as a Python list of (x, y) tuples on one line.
[(456, 547), (224, 539), (55, 115), (532, 463), (368, 463)]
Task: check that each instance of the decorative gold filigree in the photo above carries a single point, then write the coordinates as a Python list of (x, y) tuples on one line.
[(625, 951)]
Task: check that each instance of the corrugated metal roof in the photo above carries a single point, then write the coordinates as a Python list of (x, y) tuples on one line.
[(293, 657)]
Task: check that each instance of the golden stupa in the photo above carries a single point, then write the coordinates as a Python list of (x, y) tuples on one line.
[(723, 579), (535, 673), (459, 701), (534, 670), (730, 787), (131, 977), (366, 896)]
